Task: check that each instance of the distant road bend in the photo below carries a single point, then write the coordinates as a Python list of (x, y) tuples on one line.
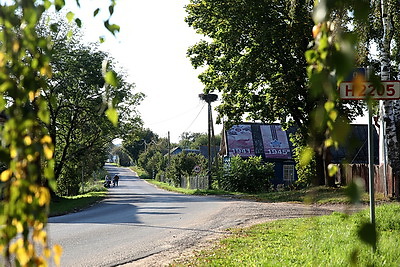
[(138, 221)]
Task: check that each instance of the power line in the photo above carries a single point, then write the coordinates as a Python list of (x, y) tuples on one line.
[(195, 118), (177, 116)]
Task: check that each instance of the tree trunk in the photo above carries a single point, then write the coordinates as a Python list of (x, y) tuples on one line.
[(320, 169), (389, 133)]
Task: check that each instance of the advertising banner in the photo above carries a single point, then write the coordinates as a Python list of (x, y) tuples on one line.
[(269, 141), (276, 145), (240, 141)]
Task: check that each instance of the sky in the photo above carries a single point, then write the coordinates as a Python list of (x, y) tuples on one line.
[(151, 47)]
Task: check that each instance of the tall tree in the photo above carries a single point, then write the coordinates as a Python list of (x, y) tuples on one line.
[(76, 98), (389, 41), (255, 58), (137, 141)]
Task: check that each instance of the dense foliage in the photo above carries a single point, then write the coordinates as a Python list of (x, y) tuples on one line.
[(27, 149), (136, 141), (182, 165), (195, 140), (254, 56), (247, 175), (80, 131), (154, 158)]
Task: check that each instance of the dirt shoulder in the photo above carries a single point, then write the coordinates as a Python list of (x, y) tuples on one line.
[(239, 213)]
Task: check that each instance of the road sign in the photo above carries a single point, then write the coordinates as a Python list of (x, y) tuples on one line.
[(388, 90), (197, 169)]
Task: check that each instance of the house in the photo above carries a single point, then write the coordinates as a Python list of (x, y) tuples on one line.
[(177, 150), (273, 144), (269, 141), (355, 148)]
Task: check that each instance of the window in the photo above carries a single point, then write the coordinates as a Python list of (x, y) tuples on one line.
[(288, 173)]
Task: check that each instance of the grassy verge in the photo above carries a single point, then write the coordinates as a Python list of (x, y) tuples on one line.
[(64, 205), (140, 172), (318, 241), (317, 195)]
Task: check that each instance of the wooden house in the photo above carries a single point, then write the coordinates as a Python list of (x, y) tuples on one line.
[(268, 141)]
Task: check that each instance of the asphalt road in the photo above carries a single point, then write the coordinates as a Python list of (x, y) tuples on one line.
[(135, 221), (140, 225)]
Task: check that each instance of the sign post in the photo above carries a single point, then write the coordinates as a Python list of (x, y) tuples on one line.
[(388, 90)]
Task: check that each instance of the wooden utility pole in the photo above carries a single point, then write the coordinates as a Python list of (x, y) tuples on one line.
[(169, 149), (209, 98)]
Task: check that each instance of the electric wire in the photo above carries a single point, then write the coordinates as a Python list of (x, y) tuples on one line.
[(174, 117), (204, 104)]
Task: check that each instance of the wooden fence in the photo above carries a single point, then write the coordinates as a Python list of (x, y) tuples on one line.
[(194, 182), (389, 187)]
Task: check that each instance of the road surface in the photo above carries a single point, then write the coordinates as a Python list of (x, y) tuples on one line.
[(137, 221)]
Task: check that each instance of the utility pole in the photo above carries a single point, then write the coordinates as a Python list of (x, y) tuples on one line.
[(169, 149), (209, 98)]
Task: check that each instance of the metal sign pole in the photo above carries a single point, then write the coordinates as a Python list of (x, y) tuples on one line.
[(371, 167)]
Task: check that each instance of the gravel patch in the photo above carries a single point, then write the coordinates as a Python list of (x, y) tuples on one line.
[(238, 214)]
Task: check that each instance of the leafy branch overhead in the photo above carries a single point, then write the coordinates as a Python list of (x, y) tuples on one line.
[(28, 147)]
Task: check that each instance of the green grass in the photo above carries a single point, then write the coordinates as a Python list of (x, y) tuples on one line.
[(140, 172), (64, 205), (318, 241), (318, 195)]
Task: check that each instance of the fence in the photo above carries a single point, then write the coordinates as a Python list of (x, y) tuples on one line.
[(389, 186), (195, 182)]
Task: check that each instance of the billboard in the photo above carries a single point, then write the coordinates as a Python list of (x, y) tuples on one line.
[(268, 141), (240, 141), (276, 145)]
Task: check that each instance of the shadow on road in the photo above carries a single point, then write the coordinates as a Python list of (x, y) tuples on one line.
[(134, 202)]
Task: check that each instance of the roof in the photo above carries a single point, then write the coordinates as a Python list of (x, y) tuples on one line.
[(271, 142)]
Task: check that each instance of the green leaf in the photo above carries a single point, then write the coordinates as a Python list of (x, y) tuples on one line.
[(78, 22), (332, 169), (113, 28), (111, 78), (329, 105), (311, 56), (70, 16), (54, 27), (354, 190), (59, 4), (96, 12), (306, 156), (112, 115)]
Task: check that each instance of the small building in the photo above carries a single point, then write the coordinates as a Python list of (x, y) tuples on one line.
[(269, 141), (177, 150), (273, 144)]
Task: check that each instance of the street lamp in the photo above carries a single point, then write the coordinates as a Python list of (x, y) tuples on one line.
[(209, 98)]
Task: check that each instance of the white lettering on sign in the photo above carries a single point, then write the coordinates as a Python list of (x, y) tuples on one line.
[(387, 90)]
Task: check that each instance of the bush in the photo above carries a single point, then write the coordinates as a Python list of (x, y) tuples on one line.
[(183, 165), (305, 173), (152, 162), (251, 175), (68, 183)]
